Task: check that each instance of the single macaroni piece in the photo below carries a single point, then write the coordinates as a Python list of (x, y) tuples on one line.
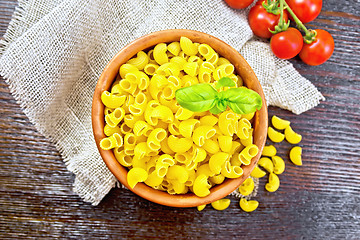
[(217, 179), (247, 187), (180, 61), (191, 179), (169, 69), (111, 130), (155, 137), (279, 123), (205, 169), (269, 151), (248, 141), (113, 141), (275, 136), (141, 150), (112, 100), (122, 158), (199, 154), (225, 143), (231, 171), (191, 68), (203, 133), (168, 147), (142, 80), (257, 172), (201, 186), (248, 116), (127, 68), (150, 68), (279, 164), (248, 206), (209, 120), (201, 207), (130, 120), (128, 84), (236, 147), (223, 71), (163, 113), (267, 164), (243, 128), (140, 60), (138, 162), (159, 53), (186, 127), (178, 173), (211, 146), (188, 47), (129, 141), (174, 48), (295, 155), (136, 175), (291, 136), (222, 61), (273, 184), (221, 204), (204, 75), (217, 160), (183, 114), (154, 180), (208, 53), (227, 122), (250, 151), (142, 128)]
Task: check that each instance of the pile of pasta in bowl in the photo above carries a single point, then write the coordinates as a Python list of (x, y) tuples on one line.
[(173, 119)]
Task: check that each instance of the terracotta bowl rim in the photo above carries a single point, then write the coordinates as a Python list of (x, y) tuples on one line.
[(120, 172)]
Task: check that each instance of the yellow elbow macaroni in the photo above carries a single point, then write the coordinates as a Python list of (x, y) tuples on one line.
[(257, 172), (269, 151), (295, 155), (248, 206), (273, 184), (221, 204), (247, 187), (279, 164), (291, 136), (279, 123), (275, 136), (168, 147)]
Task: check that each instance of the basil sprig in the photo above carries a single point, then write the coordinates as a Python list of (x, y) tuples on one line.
[(203, 97)]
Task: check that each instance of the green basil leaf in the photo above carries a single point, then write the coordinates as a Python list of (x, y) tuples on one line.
[(197, 98), (222, 105), (243, 100), (225, 82), (215, 110)]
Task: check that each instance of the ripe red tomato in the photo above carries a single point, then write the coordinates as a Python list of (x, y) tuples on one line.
[(239, 4), (261, 21), (305, 10), (320, 50), (287, 44)]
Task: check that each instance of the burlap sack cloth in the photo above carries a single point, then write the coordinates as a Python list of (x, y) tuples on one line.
[(55, 50)]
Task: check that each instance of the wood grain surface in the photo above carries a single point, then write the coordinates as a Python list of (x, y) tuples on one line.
[(319, 200)]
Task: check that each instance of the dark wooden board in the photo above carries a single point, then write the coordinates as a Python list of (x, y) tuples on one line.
[(320, 199)]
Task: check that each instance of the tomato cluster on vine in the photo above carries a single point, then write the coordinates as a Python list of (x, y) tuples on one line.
[(270, 19)]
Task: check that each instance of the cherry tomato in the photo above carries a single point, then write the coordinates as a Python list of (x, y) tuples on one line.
[(287, 44), (239, 4), (261, 21), (320, 50), (305, 10)]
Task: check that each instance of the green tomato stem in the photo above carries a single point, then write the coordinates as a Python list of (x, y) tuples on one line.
[(310, 35), (281, 22)]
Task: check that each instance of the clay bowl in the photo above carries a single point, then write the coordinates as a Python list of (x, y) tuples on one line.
[(260, 120)]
